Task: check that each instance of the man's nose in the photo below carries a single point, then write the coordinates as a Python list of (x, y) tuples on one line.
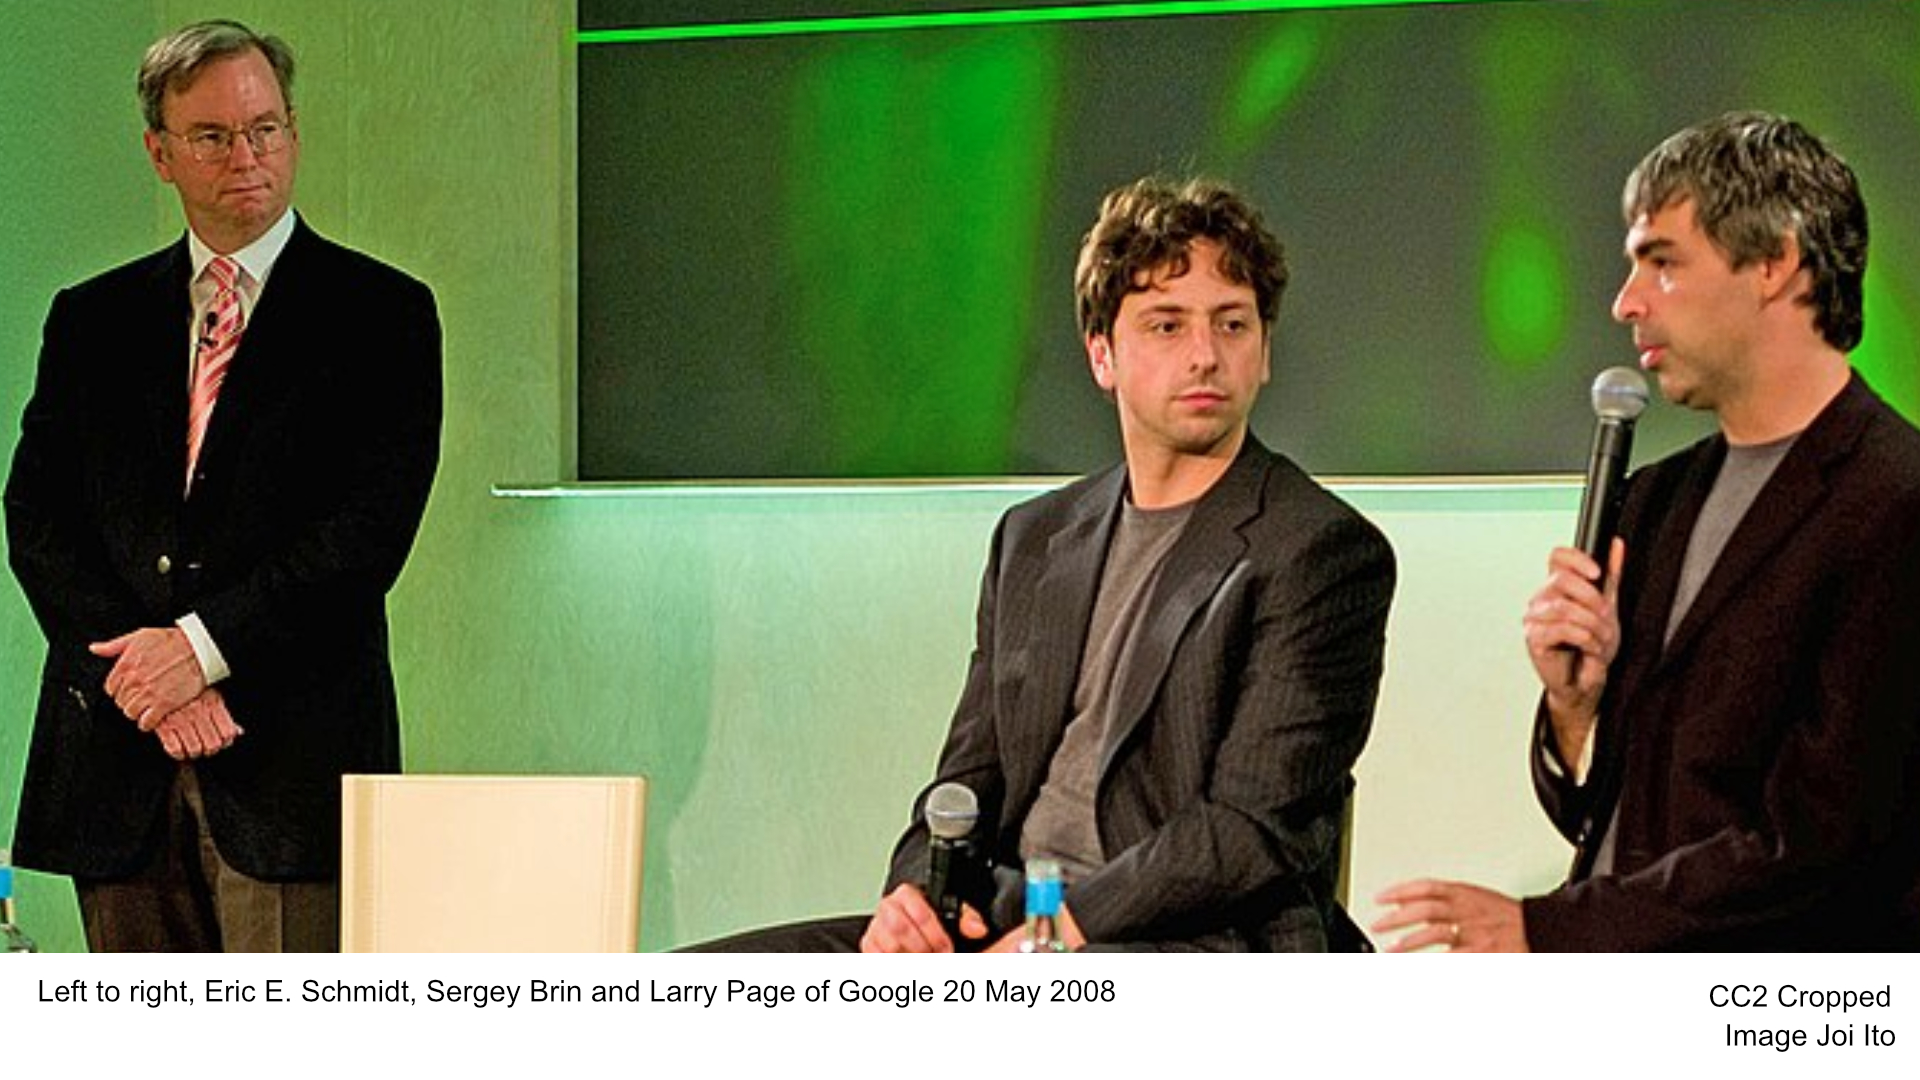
[(1204, 355), (1626, 303), (242, 155)]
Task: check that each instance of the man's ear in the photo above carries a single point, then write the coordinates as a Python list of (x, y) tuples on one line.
[(1785, 276), (156, 153), (1100, 359)]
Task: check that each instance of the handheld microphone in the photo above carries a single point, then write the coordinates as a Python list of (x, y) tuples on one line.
[(951, 812), (1619, 396)]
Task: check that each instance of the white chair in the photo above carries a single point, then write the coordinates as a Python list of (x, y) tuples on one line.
[(491, 863)]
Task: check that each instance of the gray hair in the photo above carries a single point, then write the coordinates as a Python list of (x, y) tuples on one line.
[(173, 62), (1754, 179)]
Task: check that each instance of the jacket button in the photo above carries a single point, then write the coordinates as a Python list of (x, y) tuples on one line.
[(164, 565)]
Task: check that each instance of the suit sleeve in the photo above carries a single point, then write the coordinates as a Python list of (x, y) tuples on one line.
[(57, 556), (1300, 707), (1570, 803), (1567, 803)]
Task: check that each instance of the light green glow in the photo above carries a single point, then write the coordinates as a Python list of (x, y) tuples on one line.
[(917, 325), (854, 24), (1274, 71), (1523, 297), (1886, 356), (1520, 69)]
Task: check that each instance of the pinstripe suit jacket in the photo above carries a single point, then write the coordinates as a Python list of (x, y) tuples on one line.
[(1222, 780)]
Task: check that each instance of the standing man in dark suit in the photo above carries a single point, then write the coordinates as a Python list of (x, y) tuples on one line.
[(1177, 658), (219, 475), (1735, 752)]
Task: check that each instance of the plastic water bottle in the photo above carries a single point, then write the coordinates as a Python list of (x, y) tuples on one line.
[(12, 938), (1043, 908)]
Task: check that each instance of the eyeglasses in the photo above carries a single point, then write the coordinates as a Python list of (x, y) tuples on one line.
[(211, 145)]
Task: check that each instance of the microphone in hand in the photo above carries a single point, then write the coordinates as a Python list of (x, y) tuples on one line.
[(1619, 396), (952, 810)]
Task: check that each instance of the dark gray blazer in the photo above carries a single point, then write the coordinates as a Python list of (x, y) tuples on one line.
[(1766, 762), (313, 479), (1222, 784)]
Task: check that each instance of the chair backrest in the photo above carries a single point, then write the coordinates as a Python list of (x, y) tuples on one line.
[(491, 863)]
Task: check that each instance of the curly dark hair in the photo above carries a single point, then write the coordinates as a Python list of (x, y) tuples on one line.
[(1151, 224)]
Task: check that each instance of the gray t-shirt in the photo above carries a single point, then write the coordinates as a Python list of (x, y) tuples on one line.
[(1061, 823), (1745, 471)]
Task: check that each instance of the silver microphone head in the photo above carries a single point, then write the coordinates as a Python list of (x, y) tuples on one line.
[(1619, 393), (951, 811)]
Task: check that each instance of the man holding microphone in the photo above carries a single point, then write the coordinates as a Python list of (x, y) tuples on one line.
[(1729, 730)]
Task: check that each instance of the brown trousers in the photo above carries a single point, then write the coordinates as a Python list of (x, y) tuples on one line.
[(188, 899)]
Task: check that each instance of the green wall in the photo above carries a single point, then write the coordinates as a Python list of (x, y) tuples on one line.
[(780, 663), (437, 135), (76, 201)]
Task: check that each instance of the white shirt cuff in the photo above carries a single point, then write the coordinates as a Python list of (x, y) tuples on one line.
[(212, 664), (1581, 766)]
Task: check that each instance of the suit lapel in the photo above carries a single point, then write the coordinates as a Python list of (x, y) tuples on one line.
[(1063, 597), (1663, 578), (1209, 547), (1788, 500), (1685, 496), (157, 365)]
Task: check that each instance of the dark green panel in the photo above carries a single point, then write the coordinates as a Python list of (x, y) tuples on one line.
[(846, 252)]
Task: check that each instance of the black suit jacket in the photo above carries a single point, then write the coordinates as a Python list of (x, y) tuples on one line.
[(1766, 761), (312, 481), (1222, 784)]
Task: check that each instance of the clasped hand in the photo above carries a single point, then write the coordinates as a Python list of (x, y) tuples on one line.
[(154, 672), (200, 728), (157, 682)]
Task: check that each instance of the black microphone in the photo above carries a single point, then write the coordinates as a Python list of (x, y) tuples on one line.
[(206, 329), (1619, 396), (951, 812)]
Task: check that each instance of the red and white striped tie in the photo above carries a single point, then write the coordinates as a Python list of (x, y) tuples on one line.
[(219, 338)]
